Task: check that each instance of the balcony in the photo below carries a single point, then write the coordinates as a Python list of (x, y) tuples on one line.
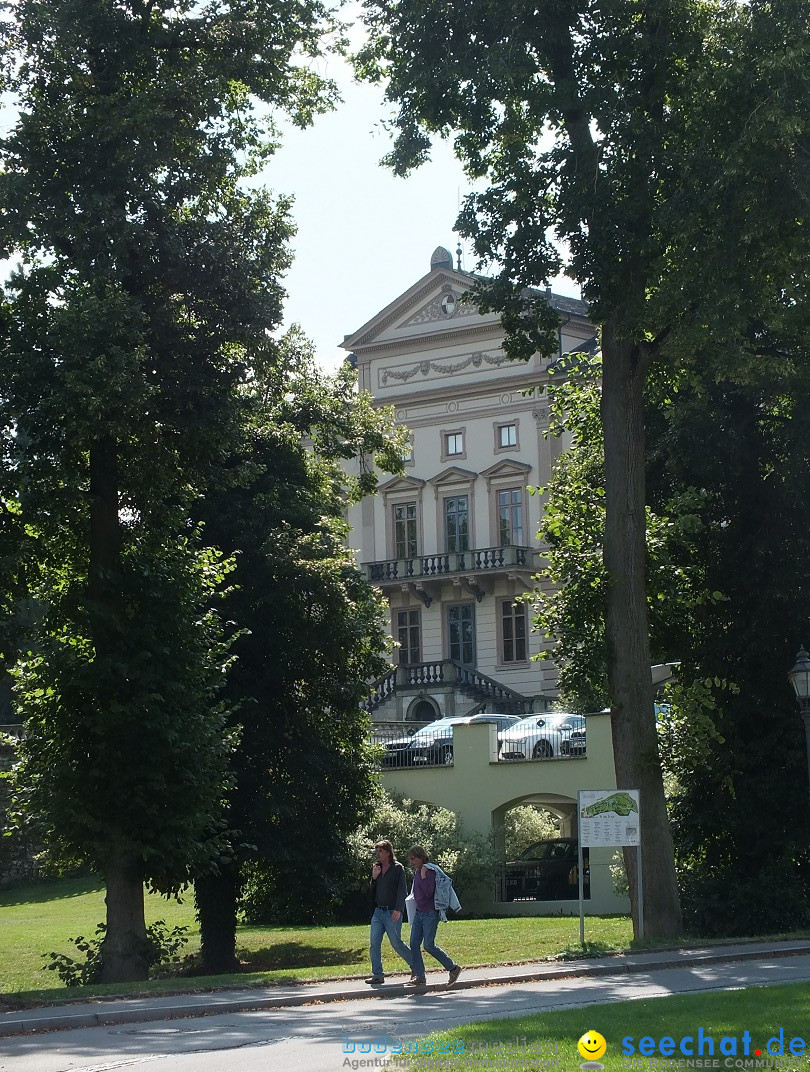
[(485, 561)]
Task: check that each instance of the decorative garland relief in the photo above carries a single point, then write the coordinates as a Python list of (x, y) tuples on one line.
[(407, 372)]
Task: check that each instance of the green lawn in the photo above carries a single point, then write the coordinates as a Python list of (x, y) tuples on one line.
[(42, 918), (549, 1040)]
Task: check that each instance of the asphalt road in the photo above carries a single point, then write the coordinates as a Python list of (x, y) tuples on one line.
[(318, 1038)]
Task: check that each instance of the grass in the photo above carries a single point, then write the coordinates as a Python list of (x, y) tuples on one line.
[(38, 919), (551, 1038)]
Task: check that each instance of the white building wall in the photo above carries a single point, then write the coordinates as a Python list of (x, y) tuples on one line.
[(451, 375)]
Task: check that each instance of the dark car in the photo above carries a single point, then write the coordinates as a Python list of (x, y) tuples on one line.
[(547, 871), (433, 744), (575, 745)]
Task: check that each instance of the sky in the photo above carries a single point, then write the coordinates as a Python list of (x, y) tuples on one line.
[(364, 235)]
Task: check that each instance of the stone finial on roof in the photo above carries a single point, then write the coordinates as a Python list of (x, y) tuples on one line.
[(441, 258)]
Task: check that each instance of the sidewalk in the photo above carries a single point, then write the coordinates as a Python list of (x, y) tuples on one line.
[(172, 1006)]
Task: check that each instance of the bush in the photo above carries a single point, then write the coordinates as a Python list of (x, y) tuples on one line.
[(733, 903), (465, 855), (162, 945), (20, 852), (267, 897), (525, 825)]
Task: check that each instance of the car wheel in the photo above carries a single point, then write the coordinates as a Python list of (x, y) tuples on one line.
[(542, 750), (447, 757)]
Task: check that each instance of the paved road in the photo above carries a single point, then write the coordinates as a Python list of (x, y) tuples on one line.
[(313, 1038)]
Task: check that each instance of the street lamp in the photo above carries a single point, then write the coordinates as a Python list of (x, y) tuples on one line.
[(800, 680)]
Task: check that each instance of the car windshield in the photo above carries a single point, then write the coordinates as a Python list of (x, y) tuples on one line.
[(442, 725)]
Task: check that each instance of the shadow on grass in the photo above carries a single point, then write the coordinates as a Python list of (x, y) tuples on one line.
[(590, 949), (298, 955), (57, 890)]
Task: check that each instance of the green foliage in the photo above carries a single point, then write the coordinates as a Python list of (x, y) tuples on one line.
[(146, 279), (727, 548), (312, 630), (161, 946), (464, 854), (525, 825), (129, 750), (665, 145), (573, 525)]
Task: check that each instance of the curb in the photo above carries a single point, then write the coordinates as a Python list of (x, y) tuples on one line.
[(70, 1021)]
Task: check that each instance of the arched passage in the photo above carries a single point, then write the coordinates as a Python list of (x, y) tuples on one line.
[(422, 709)]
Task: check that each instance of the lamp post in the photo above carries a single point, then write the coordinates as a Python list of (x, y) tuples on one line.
[(800, 680)]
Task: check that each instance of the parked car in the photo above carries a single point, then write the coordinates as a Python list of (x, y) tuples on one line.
[(433, 744), (547, 871), (575, 744), (540, 736)]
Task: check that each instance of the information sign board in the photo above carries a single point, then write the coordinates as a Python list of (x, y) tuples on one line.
[(608, 817)]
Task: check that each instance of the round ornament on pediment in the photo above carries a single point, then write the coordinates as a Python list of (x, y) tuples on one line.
[(506, 398), (452, 407), (401, 414), (448, 305)]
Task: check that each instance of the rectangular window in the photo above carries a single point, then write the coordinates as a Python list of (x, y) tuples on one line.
[(456, 524), (453, 444), (507, 435), (461, 633), (405, 530), (408, 635), (513, 631), (510, 517)]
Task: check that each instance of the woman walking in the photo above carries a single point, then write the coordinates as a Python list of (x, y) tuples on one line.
[(388, 890), (434, 894)]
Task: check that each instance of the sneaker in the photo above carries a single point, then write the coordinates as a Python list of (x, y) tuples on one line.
[(416, 980), (373, 979), (454, 974)]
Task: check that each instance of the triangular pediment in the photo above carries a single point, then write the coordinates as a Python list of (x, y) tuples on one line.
[(507, 468), (402, 483), (453, 475), (435, 306)]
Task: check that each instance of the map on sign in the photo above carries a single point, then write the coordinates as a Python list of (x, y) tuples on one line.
[(609, 817)]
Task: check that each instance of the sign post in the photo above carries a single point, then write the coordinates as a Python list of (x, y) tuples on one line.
[(608, 818)]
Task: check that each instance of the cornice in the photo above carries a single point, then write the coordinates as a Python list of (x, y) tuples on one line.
[(432, 391), (418, 342)]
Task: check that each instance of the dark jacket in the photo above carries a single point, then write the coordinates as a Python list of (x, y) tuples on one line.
[(390, 889)]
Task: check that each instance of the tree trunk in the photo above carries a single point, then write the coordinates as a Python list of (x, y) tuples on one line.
[(124, 947), (216, 897), (635, 740), (123, 951)]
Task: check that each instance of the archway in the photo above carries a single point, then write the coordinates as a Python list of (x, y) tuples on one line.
[(422, 710), (535, 838)]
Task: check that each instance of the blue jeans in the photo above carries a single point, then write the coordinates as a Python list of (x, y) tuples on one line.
[(423, 929), (381, 923)]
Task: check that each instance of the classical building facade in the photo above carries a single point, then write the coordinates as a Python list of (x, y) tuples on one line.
[(452, 544)]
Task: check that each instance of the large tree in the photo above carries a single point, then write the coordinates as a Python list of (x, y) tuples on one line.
[(146, 273), (728, 545), (312, 635), (661, 141)]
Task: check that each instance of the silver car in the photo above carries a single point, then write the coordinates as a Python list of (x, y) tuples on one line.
[(540, 736)]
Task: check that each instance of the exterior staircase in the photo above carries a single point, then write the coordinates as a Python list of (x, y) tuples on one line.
[(448, 674)]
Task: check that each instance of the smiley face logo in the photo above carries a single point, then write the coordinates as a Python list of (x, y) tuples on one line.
[(592, 1046)]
